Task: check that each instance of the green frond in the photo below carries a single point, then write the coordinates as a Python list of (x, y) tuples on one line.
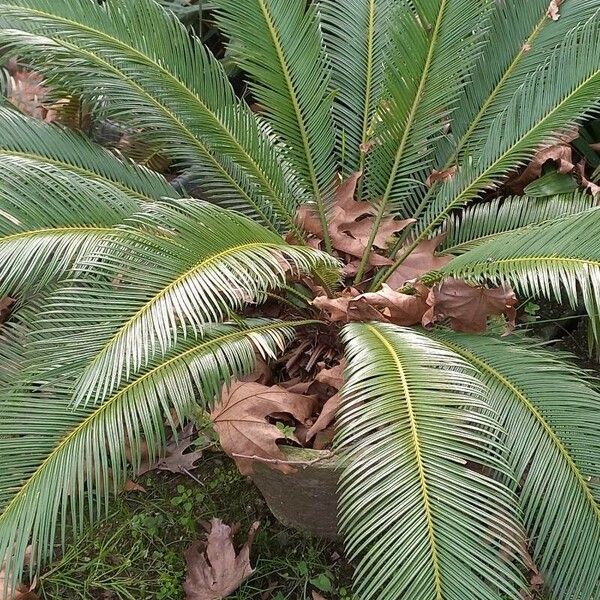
[(55, 460), (554, 260), (170, 270), (420, 523), (279, 44), (50, 217), (482, 222), (519, 40), (28, 138), (357, 38), (550, 415), (562, 92), (161, 81), (432, 53)]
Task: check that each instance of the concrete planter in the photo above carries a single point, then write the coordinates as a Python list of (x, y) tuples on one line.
[(307, 499)]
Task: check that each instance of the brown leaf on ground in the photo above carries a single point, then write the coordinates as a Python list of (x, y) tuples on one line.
[(441, 175), (177, 459), (334, 376), (6, 306), (326, 417), (421, 260), (132, 486), (241, 421), (214, 571), (29, 94), (387, 305), (21, 591), (350, 223), (561, 154), (554, 10), (399, 308), (317, 596), (592, 187), (262, 373), (468, 307)]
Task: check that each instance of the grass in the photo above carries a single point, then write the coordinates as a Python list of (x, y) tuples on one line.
[(138, 552)]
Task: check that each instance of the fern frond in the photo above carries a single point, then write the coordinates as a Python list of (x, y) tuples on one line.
[(420, 523), (280, 45), (160, 81), (357, 38), (28, 138), (550, 415), (50, 217), (170, 270), (52, 472), (482, 222)]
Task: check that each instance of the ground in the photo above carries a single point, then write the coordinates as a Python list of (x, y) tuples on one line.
[(137, 553)]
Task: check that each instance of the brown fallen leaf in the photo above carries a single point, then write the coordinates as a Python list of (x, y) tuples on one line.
[(21, 591), (399, 308), (214, 571), (132, 486), (387, 305), (421, 260), (350, 223), (561, 154), (241, 421), (441, 175), (6, 306), (467, 307), (554, 10), (325, 419), (592, 187), (176, 459), (317, 596)]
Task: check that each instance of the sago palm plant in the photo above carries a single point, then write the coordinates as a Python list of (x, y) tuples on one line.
[(466, 458)]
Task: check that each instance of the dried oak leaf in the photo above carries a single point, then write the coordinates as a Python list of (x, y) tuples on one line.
[(399, 308), (214, 571), (592, 187), (421, 260), (554, 10), (441, 175), (325, 418), (350, 223), (468, 307), (240, 420), (387, 305), (6, 306), (561, 154), (176, 459)]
